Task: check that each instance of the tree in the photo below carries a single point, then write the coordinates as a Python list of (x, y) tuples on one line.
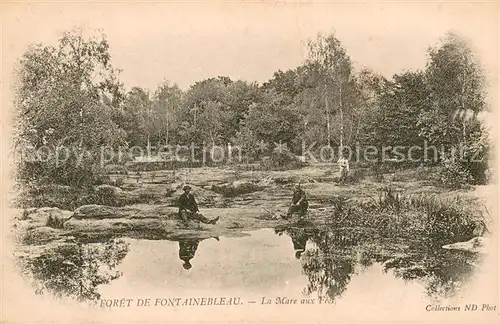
[(168, 101), (393, 120), (68, 96), (272, 122), (456, 86), (333, 68), (138, 117), (64, 89), (457, 95)]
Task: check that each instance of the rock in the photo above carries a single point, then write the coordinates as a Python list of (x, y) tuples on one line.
[(114, 196), (476, 245), (130, 186), (41, 235), (236, 188), (129, 212), (201, 195), (109, 189), (110, 195), (95, 212), (285, 180), (41, 215), (115, 169)]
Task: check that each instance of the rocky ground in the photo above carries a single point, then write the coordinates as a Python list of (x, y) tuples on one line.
[(143, 204)]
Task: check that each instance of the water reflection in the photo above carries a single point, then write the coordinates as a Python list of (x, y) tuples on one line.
[(328, 268), (327, 259), (300, 237), (187, 250), (442, 272), (76, 270), (333, 258)]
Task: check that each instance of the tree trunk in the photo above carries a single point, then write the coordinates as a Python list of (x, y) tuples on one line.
[(149, 147), (80, 144), (341, 119), (166, 130), (357, 130), (327, 115)]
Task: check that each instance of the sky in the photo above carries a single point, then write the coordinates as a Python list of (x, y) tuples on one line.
[(185, 42)]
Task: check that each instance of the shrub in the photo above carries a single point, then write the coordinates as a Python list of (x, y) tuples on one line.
[(454, 175), (282, 159), (467, 164), (439, 220), (355, 176), (378, 170), (54, 222), (75, 171)]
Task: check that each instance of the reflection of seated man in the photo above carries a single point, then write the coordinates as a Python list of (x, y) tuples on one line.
[(187, 250), (188, 209), (299, 202), (299, 238), (299, 241)]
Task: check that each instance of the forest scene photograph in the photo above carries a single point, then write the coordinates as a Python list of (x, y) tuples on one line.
[(297, 184)]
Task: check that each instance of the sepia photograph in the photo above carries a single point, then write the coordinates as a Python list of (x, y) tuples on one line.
[(260, 162)]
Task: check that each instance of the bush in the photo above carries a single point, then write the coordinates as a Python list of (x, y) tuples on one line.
[(378, 170), (54, 222), (438, 220), (282, 159), (467, 164), (454, 175), (355, 176), (75, 171)]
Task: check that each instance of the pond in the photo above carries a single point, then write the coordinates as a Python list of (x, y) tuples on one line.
[(334, 267)]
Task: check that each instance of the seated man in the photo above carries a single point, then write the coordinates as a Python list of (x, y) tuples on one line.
[(188, 209), (299, 202)]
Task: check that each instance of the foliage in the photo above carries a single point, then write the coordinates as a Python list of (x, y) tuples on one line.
[(69, 95), (54, 222), (281, 159), (453, 175), (77, 270)]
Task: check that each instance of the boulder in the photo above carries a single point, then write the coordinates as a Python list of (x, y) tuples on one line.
[(475, 245), (95, 212), (109, 189), (284, 180), (41, 215), (115, 169), (130, 186), (129, 212), (236, 188), (114, 196), (202, 195)]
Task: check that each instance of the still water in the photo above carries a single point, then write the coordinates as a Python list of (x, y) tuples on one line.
[(296, 263)]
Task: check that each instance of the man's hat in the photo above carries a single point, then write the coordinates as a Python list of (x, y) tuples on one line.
[(186, 188)]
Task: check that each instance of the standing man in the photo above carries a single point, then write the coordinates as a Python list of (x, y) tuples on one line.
[(343, 164), (299, 202), (188, 209)]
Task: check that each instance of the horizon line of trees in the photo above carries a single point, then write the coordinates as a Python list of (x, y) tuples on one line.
[(71, 95)]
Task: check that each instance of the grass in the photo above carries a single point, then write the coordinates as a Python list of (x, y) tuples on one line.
[(54, 222), (395, 214)]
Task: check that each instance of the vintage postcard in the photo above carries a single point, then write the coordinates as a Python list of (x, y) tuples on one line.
[(249, 162)]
